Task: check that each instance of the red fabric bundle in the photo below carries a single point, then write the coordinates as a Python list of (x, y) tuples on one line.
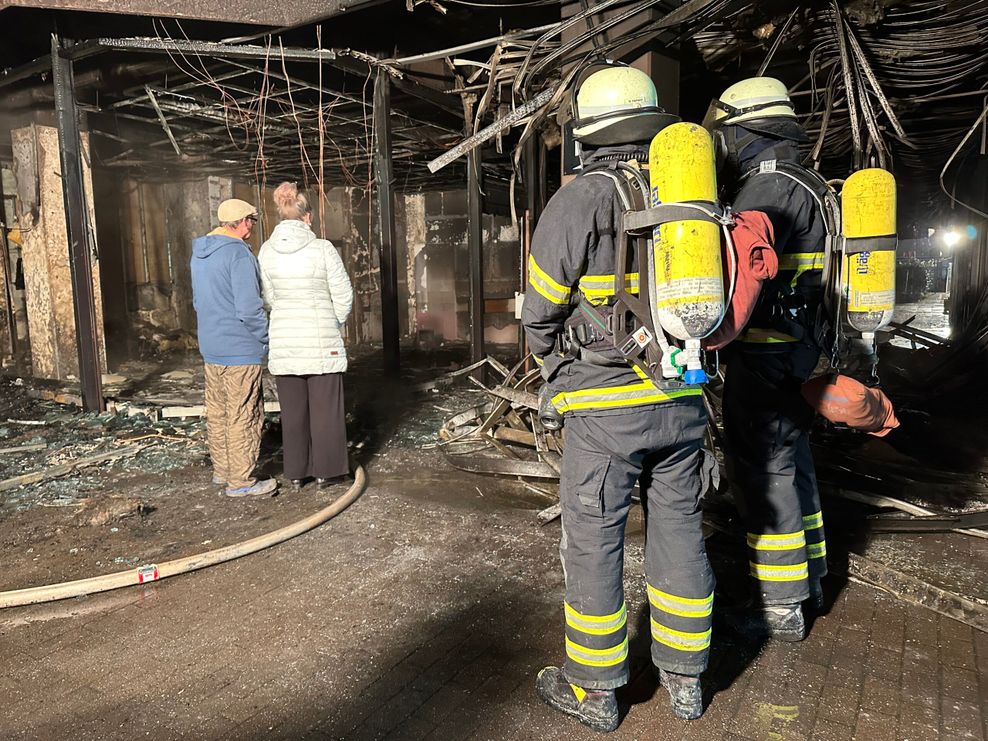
[(843, 400), (753, 237)]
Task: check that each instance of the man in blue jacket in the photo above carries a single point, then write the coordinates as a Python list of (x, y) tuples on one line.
[(233, 340)]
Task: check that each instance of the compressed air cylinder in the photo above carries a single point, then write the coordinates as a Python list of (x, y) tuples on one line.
[(868, 227), (688, 290)]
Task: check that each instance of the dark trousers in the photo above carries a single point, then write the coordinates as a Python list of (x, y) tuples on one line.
[(768, 427), (313, 425), (662, 448)]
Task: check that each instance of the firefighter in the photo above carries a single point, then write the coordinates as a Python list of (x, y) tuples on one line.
[(765, 419), (621, 429)]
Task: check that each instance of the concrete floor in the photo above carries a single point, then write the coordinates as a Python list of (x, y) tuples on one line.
[(424, 612)]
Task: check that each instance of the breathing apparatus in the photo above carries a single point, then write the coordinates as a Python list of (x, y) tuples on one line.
[(858, 264), (671, 220)]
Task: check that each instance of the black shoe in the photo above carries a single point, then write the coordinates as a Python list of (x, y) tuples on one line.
[(297, 484), (594, 708), (781, 622), (684, 693), (323, 483)]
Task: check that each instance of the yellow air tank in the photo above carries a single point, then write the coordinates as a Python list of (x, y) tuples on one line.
[(868, 216), (688, 295)]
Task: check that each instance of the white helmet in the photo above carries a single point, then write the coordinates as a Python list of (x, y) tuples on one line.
[(759, 104), (750, 100), (616, 104)]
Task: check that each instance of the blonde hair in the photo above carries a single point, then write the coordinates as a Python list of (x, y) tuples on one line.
[(290, 203)]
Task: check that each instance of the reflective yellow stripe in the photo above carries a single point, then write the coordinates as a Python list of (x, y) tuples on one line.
[(766, 336), (597, 656), (680, 639), (542, 282), (801, 262), (690, 607), (811, 522), (817, 550), (608, 397), (598, 288), (598, 625), (780, 542), (578, 692), (766, 572), (538, 361)]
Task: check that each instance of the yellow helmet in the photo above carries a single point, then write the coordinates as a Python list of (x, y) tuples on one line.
[(750, 100), (616, 104)]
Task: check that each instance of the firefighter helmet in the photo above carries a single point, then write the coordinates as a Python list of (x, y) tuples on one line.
[(759, 104), (616, 104)]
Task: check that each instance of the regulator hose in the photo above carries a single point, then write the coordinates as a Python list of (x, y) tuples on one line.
[(155, 572)]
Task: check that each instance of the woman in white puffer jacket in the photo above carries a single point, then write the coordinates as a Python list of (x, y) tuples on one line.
[(308, 292)]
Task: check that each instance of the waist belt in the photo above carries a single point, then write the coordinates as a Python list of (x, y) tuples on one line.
[(589, 331), (589, 327)]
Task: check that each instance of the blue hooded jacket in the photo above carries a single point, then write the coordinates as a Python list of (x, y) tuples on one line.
[(226, 294)]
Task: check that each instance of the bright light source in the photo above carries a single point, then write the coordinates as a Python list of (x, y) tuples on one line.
[(951, 237)]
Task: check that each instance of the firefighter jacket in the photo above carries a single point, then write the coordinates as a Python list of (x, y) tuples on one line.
[(572, 259), (788, 303)]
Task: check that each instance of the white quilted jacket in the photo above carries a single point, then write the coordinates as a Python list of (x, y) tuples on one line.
[(308, 292)]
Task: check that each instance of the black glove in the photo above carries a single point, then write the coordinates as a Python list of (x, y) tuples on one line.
[(548, 416)]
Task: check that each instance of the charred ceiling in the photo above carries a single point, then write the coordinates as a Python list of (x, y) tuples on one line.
[(878, 82)]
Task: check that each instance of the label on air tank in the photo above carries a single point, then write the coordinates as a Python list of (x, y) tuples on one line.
[(688, 291), (871, 281)]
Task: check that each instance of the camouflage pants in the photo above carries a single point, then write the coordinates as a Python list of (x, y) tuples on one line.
[(234, 419)]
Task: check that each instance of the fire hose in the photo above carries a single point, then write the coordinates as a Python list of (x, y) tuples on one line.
[(156, 572)]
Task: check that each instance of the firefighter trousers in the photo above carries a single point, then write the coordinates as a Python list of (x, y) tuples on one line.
[(767, 425), (605, 455)]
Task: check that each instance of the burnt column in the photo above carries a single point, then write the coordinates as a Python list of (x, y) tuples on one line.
[(384, 179), (80, 236), (475, 244)]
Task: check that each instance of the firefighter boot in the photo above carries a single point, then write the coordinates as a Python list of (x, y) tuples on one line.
[(816, 602), (781, 622), (784, 622), (594, 708), (684, 693)]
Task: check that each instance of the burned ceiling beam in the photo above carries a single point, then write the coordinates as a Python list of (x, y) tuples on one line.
[(254, 12), (42, 65), (216, 50)]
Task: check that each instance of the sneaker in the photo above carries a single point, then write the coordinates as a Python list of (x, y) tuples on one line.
[(217, 481), (684, 693), (594, 708), (780, 622), (257, 489)]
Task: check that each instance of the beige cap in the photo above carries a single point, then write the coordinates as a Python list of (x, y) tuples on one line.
[(234, 210)]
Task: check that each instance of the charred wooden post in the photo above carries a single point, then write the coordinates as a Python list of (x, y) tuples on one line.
[(475, 244), (8, 329), (384, 178), (81, 241)]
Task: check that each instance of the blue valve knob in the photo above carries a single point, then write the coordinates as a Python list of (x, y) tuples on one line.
[(692, 377)]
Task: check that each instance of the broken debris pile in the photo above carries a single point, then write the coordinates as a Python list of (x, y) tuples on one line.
[(503, 435), (48, 450)]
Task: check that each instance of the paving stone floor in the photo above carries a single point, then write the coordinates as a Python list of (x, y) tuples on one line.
[(423, 612)]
